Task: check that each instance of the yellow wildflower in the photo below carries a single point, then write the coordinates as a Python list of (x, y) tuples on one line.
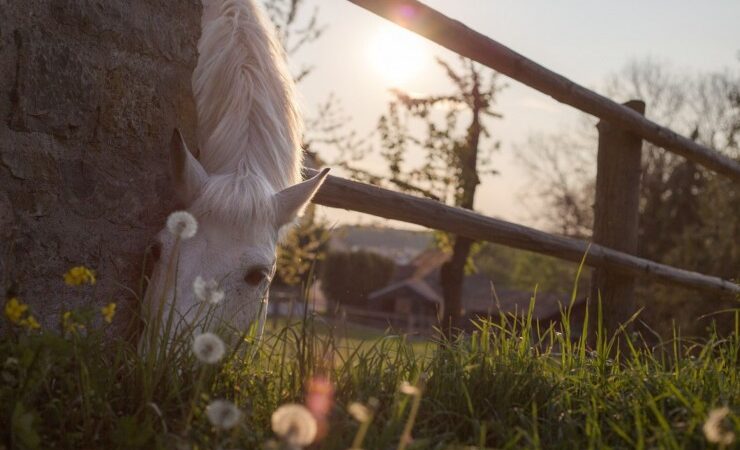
[(79, 275), (67, 321), (70, 325), (14, 310), (108, 312), (30, 323)]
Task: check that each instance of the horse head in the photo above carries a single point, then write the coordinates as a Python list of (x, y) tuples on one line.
[(244, 188), (227, 255)]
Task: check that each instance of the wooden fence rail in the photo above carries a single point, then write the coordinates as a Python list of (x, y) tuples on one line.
[(621, 130), (346, 194), (464, 41)]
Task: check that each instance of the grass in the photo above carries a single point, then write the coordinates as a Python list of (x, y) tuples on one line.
[(506, 385), (348, 337)]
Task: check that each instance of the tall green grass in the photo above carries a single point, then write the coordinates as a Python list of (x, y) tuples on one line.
[(511, 383), (508, 384)]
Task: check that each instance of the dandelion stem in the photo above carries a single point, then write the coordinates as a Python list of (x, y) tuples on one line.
[(406, 435), (194, 399), (361, 432)]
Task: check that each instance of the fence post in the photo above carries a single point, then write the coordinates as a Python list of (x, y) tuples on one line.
[(616, 215)]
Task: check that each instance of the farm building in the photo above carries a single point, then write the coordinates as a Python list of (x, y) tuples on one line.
[(414, 298)]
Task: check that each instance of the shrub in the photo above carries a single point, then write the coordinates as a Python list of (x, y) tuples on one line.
[(348, 277)]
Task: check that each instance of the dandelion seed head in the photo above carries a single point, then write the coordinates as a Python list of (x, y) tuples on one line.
[(359, 412), (715, 429), (11, 361), (208, 348), (223, 414), (182, 224), (207, 290), (294, 424), (409, 389)]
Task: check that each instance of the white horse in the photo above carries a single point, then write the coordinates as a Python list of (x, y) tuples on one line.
[(244, 188)]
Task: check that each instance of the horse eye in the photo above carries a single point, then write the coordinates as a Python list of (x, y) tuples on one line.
[(255, 276)]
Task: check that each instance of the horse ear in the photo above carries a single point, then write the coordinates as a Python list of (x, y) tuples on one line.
[(291, 200), (187, 173)]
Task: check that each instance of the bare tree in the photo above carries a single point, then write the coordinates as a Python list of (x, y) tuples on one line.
[(675, 193), (562, 169), (295, 28), (451, 131), (562, 165)]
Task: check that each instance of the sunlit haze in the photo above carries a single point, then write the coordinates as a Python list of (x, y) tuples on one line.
[(397, 55)]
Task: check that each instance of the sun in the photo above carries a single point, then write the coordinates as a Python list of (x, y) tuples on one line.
[(397, 55)]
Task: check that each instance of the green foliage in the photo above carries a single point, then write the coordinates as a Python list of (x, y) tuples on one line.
[(301, 249), (348, 277), (707, 245), (523, 270), (718, 227), (22, 431)]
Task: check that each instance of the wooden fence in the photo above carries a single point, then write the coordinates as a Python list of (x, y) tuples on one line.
[(621, 131)]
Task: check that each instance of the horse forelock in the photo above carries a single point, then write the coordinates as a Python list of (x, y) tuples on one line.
[(239, 200), (246, 100)]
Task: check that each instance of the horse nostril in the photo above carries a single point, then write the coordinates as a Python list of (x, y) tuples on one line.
[(255, 276)]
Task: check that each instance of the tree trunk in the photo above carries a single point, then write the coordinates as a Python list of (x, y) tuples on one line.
[(89, 95), (452, 273), (452, 276)]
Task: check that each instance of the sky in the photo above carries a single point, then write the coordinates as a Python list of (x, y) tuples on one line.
[(582, 40)]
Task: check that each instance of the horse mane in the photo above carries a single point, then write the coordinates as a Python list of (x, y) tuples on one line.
[(248, 121)]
